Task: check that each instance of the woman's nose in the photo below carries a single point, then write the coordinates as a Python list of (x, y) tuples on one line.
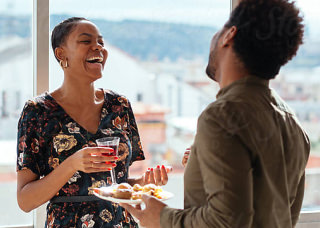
[(97, 46)]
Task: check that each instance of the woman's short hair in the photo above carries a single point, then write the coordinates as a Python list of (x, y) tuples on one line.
[(62, 30)]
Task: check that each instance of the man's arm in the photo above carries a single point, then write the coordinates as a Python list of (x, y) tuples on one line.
[(297, 204), (226, 172)]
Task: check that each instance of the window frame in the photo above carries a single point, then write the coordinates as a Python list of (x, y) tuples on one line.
[(40, 45), (40, 51)]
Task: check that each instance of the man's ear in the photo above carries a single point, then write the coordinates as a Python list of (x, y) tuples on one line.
[(229, 35), (59, 53)]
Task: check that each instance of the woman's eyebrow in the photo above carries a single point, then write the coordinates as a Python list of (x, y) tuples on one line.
[(88, 34), (85, 34)]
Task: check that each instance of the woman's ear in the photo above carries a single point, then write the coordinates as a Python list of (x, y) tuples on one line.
[(229, 36), (60, 53)]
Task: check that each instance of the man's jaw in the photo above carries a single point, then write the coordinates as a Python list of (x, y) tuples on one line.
[(211, 73)]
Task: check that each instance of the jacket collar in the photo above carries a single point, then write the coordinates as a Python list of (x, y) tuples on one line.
[(248, 80)]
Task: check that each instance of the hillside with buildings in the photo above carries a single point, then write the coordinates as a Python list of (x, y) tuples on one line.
[(156, 41)]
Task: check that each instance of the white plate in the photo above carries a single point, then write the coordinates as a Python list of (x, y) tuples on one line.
[(164, 194)]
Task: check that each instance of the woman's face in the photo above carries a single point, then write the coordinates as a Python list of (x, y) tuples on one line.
[(84, 49)]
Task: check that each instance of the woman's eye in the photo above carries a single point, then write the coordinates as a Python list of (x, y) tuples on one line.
[(85, 41)]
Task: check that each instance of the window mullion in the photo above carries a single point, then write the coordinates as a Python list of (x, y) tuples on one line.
[(234, 3), (40, 51), (40, 46)]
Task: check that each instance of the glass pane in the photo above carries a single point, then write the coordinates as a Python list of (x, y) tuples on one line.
[(298, 83), (158, 53), (16, 86)]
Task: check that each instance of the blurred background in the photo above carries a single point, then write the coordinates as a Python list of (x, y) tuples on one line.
[(158, 52)]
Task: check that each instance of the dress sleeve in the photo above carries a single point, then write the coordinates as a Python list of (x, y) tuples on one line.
[(225, 169), (28, 139), (137, 152)]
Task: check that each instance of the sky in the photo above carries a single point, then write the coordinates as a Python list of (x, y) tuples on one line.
[(199, 12), (180, 11)]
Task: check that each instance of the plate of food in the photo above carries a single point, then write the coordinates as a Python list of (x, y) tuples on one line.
[(125, 193)]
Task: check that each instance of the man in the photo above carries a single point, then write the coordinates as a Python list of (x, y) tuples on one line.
[(247, 164)]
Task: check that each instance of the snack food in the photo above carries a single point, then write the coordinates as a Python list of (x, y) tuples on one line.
[(126, 191), (136, 195), (149, 187), (124, 186), (123, 194), (153, 190), (137, 188), (123, 191)]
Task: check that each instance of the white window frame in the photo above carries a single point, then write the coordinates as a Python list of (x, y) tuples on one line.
[(233, 4), (41, 33), (40, 52), (40, 45)]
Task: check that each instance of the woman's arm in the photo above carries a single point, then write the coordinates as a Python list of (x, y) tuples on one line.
[(33, 192)]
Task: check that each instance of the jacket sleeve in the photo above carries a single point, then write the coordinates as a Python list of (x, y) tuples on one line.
[(297, 204), (225, 168)]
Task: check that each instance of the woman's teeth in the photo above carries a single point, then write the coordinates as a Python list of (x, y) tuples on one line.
[(96, 59)]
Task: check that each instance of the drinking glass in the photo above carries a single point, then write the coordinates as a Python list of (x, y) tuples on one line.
[(111, 142)]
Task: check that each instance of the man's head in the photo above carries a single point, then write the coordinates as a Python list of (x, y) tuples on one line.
[(264, 35)]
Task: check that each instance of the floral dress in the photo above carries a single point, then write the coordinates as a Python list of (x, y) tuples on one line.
[(47, 135)]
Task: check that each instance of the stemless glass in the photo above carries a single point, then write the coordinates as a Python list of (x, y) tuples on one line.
[(111, 142)]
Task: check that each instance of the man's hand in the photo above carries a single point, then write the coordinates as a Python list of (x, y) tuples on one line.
[(150, 216)]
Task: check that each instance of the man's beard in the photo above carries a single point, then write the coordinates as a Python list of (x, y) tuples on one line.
[(211, 70)]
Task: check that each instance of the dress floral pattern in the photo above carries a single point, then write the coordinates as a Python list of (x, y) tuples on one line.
[(47, 135)]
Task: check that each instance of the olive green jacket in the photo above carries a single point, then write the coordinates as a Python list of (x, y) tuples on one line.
[(247, 163)]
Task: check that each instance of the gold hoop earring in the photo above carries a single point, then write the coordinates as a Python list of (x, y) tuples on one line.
[(61, 64)]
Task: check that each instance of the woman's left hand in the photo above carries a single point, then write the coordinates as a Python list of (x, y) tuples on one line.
[(157, 175)]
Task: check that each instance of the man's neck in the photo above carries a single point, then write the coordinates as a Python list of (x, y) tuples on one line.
[(231, 79), (230, 73)]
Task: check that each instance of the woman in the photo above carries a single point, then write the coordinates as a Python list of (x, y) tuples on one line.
[(58, 160)]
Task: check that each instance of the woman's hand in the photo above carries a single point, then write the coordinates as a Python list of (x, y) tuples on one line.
[(186, 156), (33, 191), (93, 159), (157, 175)]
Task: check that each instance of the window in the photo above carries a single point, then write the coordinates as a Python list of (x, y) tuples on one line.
[(157, 56), (16, 86)]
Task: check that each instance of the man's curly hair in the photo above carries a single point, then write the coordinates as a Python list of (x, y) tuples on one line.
[(269, 34)]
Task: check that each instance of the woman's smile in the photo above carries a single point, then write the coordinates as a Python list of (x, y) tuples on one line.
[(95, 62)]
